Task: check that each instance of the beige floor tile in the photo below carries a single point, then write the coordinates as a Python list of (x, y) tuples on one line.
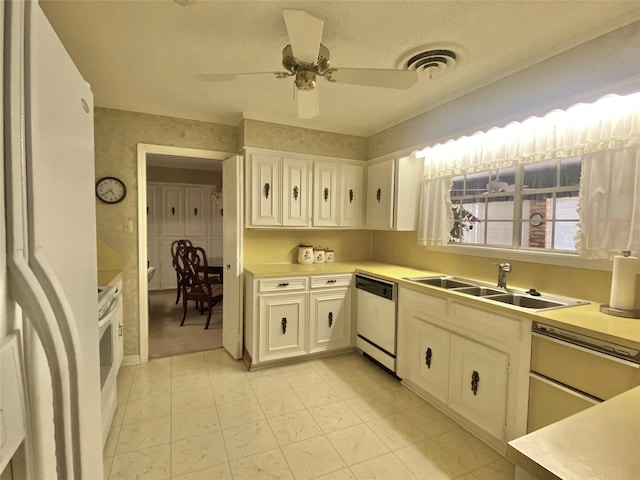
[(501, 469), (266, 384), (194, 423), (316, 394), (370, 407), (154, 369), (197, 453), (269, 465), (334, 416), (232, 392), (182, 383), (107, 462), (280, 403), (342, 474), (192, 400), (401, 398), (147, 409), (357, 443), (126, 374), (239, 413), (426, 460), (122, 391), (348, 387), (396, 431), (384, 467), (144, 434), (149, 388), (217, 472), (294, 427), (302, 377), (109, 449), (118, 416), (188, 363), (312, 458), (220, 358), (225, 376), (249, 439), (466, 449), (430, 420), (148, 464)]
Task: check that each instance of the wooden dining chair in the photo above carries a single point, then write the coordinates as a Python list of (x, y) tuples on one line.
[(176, 247), (200, 285)]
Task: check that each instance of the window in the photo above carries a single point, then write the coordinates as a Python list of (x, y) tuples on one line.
[(532, 206)]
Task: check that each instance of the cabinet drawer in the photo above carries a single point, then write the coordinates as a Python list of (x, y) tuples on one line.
[(282, 284), (485, 322), (322, 281), (435, 306), (582, 370)]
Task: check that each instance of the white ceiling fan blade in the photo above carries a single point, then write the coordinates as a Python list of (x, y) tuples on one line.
[(305, 34), (308, 103), (374, 77), (224, 77)]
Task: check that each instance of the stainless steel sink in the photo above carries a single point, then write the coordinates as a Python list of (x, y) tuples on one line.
[(442, 282), (517, 298)]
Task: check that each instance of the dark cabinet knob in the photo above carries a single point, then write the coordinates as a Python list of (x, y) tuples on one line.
[(266, 189), (284, 325), (350, 195), (326, 194), (330, 319), (173, 211), (296, 192), (378, 194), (427, 357), (283, 284), (475, 380), (195, 212)]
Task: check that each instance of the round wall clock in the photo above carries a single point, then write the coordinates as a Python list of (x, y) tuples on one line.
[(110, 190), (536, 219)]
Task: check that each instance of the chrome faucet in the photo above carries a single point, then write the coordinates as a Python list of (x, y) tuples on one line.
[(503, 269)]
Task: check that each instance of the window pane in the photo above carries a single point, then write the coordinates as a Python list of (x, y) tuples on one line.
[(567, 208), (500, 208), (457, 186), (499, 233), (564, 233), (570, 171), (539, 206), (536, 235), (540, 175), (502, 180), (477, 183)]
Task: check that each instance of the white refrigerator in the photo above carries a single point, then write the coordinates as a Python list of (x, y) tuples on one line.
[(50, 386)]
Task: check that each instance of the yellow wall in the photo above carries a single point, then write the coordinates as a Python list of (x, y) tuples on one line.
[(277, 246), (402, 248)]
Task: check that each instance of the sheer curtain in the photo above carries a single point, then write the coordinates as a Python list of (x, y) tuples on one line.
[(595, 131)]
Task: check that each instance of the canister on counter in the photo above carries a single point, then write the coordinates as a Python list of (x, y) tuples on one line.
[(305, 253), (328, 255), (318, 253)]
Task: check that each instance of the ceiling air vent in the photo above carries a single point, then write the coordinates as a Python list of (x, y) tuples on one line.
[(432, 60)]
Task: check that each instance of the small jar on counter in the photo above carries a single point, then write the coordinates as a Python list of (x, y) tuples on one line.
[(328, 255), (305, 254), (318, 254)]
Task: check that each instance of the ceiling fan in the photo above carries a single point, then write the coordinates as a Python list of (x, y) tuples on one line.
[(306, 58)]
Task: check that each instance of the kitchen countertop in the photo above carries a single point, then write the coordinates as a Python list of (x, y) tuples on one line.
[(108, 277), (601, 442)]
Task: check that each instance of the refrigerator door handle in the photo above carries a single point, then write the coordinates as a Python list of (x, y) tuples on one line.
[(28, 293)]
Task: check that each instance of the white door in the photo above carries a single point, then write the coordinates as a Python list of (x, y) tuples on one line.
[(232, 256)]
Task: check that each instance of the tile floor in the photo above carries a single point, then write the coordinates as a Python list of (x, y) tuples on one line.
[(203, 416)]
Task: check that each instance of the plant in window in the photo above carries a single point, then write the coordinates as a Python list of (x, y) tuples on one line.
[(462, 220)]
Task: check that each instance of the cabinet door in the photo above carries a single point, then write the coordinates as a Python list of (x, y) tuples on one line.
[(197, 213), (215, 226), (167, 272), (351, 201), (265, 192), (380, 195), (173, 211), (325, 195), (154, 210), (282, 326), (329, 319), (478, 384), (153, 260), (295, 192), (429, 362)]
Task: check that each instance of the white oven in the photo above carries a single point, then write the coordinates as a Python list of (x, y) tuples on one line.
[(110, 353)]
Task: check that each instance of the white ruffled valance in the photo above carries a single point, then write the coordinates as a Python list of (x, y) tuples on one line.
[(612, 122)]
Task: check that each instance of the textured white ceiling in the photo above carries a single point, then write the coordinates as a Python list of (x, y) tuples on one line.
[(142, 55)]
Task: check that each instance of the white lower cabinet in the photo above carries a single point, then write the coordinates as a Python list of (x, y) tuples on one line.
[(429, 361), (287, 317), (283, 329)]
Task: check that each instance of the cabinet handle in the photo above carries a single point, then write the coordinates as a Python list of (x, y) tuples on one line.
[(173, 211), (350, 195), (284, 325), (120, 330), (333, 280), (427, 357), (295, 193), (283, 284), (326, 194), (330, 319), (147, 209), (378, 194), (266, 189), (195, 212), (475, 379)]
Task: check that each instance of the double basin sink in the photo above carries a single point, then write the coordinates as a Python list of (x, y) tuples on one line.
[(530, 300)]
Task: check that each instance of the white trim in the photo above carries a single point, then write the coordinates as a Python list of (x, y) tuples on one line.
[(128, 360), (143, 289), (303, 156)]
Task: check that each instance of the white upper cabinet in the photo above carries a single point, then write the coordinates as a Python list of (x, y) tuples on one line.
[(296, 192), (393, 193), (265, 193), (351, 195), (325, 198)]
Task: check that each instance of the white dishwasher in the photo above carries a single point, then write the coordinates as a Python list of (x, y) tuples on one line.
[(376, 319)]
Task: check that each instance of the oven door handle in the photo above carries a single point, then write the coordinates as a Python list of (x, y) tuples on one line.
[(568, 390), (607, 356)]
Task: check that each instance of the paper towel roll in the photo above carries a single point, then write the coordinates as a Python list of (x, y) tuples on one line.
[(623, 283)]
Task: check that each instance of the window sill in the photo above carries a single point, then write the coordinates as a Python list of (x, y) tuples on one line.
[(542, 257)]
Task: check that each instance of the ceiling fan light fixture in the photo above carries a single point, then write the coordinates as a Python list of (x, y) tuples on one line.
[(305, 80)]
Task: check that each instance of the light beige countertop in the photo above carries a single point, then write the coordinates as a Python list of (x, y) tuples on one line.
[(601, 442), (108, 277)]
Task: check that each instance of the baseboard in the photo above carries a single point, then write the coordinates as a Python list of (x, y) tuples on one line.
[(130, 360)]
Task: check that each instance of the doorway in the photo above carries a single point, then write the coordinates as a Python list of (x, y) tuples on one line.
[(158, 310)]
